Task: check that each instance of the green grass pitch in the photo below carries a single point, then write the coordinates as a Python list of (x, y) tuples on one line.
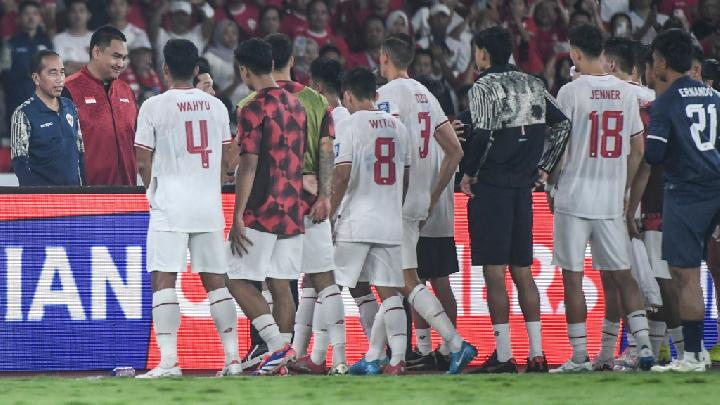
[(597, 388)]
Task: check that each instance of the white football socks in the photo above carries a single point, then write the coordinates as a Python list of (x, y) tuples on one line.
[(608, 339), (395, 327), (378, 338), (638, 323), (502, 342), (534, 330), (423, 341), (578, 341), (303, 321), (269, 332), (224, 314), (428, 306), (657, 335), (166, 320), (333, 313), (678, 341), (368, 308)]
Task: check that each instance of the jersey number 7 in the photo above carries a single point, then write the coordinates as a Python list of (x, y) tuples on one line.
[(202, 149)]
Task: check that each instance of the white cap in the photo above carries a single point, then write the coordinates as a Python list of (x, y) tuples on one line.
[(440, 8), (181, 6)]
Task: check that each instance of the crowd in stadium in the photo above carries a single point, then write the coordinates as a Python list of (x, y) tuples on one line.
[(350, 31), (329, 103)]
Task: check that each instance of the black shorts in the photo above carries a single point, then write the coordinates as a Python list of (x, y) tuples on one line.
[(689, 219), (500, 224), (437, 257)]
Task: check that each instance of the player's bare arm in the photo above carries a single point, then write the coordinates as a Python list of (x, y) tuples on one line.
[(225, 164), (321, 209), (144, 163), (637, 189), (637, 149), (341, 178), (244, 178), (448, 141)]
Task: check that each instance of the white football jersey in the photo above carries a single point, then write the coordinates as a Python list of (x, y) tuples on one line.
[(422, 115), (377, 146), (441, 222), (339, 113), (186, 129), (605, 113)]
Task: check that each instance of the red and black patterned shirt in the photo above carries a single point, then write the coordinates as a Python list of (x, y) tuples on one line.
[(272, 126)]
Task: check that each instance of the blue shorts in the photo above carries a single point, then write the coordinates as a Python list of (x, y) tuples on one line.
[(500, 224), (689, 218)]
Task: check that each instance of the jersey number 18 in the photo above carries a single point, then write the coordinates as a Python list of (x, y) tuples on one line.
[(608, 132)]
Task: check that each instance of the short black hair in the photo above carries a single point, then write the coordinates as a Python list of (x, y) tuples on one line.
[(581, 12), (28, 3), (697, 54), (623, 51), (497, 42), (329, 48), (181, 58), (69, 3), (360, 81), (312, 3), (327, 71), (104, 36), (36, 62), (641, 55), (400, 48), (256, 55), (676, 47), (282, 49), (203, 67), (425, 52), (587, 38), (711, 70)]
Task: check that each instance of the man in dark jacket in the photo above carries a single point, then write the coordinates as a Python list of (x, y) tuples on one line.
[(47, 147), (510, 113), (107, 109)]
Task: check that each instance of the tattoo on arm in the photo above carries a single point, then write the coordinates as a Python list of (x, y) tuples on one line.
[(327, 164)]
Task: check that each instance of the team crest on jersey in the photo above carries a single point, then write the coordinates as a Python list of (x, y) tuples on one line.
[(385, 106), (70, 119)]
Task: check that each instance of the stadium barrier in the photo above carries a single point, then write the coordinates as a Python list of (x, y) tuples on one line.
[(74, 293)]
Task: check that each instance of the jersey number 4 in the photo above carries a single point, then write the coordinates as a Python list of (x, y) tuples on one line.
[(202, 149), (609, 132), (700, 124), (384, 158)]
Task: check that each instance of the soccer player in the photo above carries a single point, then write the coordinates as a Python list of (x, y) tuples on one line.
[(317, 260), (182, 178), (510, 114), (604, 150), (622, 58), (266, 235), (683, 138), (373, 151), (428, 128)]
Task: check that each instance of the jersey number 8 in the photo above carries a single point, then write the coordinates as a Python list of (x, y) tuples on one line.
[(384, 157)]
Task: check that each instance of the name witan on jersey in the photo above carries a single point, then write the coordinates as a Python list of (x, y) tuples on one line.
[(382, 123), (197, 105), (695, 91), (605, 95)]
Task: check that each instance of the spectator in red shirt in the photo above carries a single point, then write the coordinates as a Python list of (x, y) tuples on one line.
[(369, 56), (318, 28), (525, 50), (265, 237), (270, 21), (549, 29), (107, 110), (295, 22), (245, 14), (140, 75)]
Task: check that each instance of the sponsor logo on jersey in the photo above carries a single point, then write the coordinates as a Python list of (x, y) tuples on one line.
[(70, 119), (384, 106), (90, 100), (46, 125)]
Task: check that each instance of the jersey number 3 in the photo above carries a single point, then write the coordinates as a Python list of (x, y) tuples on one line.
[(202, 149), (608, 132), (384, 159)]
